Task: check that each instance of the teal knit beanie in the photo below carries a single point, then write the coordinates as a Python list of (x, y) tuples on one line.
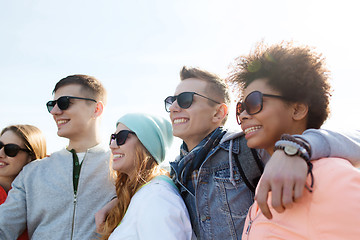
[(154, 132)]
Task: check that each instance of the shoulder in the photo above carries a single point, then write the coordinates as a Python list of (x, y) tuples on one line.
[(336, 181), (326, 168), (45, 161), (159, 193), (336, 198), (231, 135)]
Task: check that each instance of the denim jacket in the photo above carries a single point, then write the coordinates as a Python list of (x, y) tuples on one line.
[(222, 199)]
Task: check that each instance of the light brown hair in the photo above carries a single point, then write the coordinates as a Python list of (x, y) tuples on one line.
[(146, 168), (91, 87), (33, 139)]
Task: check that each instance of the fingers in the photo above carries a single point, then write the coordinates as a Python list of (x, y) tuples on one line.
[(287, 196), (299, 188), (277, 196), (262, 198), (285, 177)]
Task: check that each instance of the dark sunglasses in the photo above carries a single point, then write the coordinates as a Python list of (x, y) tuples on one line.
[(184, 100), (63, 102), (12, 149), (120, 137), (253, 104)]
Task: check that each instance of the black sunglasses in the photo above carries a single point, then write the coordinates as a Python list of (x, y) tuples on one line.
[(253, 104), (120, 137), (184, 100), (12, 149), (64, 102)]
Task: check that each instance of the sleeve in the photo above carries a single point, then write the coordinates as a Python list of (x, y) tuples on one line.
[(164, 216), (13, 211), (335, 211), (326, 143)]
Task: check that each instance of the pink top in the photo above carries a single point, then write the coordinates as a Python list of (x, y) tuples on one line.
[(331, 211)]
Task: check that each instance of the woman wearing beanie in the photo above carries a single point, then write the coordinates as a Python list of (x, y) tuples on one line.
[(149, 205)]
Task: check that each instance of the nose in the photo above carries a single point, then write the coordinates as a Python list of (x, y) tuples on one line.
[(113, 144), (244, 116), (2, 153), (175, 107), (56, 110)]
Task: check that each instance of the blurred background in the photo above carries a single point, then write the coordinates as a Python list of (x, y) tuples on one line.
[(137, 48)]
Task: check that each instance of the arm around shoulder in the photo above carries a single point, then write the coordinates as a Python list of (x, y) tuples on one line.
[(326, 143)]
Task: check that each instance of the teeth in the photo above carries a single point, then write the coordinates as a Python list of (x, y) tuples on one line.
[(62, 121), (180, 120), (118, 155), (2, 164), (251, 129)]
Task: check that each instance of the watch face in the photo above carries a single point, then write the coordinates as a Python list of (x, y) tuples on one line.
[(290, 150)]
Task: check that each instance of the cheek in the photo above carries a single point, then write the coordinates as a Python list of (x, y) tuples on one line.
[(17, 165)]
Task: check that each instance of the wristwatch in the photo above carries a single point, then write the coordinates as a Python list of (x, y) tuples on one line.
[(292, 149)]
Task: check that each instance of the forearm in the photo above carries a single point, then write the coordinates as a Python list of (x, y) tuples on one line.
[(326, 143)]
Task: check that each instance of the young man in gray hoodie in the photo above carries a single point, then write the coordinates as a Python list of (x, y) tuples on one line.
[(216, 172), (58, 196)]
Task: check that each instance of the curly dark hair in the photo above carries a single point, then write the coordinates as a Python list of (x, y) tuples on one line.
[(297, 72)]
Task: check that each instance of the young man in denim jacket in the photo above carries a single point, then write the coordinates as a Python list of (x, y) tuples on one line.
[(216, 172)]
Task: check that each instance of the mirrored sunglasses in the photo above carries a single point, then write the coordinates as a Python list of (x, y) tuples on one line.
[(12, 149), (120, 137), (184, 100), (64, 102), (252, 104)]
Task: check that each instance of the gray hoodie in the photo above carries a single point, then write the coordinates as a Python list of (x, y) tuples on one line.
[(42, 197)]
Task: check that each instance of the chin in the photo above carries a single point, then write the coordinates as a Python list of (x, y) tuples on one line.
[(252, 143), (177, 134)]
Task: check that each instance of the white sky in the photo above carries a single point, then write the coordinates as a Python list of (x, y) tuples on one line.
[(136, 48)]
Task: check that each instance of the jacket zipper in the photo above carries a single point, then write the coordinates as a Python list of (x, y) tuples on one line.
[(75, 201), (248, 228), (73, 218)]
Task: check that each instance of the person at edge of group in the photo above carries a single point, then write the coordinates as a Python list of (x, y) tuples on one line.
[(216, 172), (57, 197), (19, 145), (149, 205), (286, 91)]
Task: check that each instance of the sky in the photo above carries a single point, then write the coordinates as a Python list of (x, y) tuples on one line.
[(137, 48)]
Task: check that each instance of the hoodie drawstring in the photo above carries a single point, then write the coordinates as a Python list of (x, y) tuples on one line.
[(232, 180)]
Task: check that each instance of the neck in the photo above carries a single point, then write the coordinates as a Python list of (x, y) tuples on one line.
[(193, 142), (297, 129), (5, 183), (81, 145)]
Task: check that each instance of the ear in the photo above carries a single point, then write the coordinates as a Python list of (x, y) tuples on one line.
[(300, 111), (99, 109), (220, 114)]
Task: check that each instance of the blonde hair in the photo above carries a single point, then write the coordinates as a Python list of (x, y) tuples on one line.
[(33, 138), (146, 168)]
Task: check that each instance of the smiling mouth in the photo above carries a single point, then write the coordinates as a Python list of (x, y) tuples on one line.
[(180, 120), (2, 164), (251, 129), (118, 155), (60, 122)]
